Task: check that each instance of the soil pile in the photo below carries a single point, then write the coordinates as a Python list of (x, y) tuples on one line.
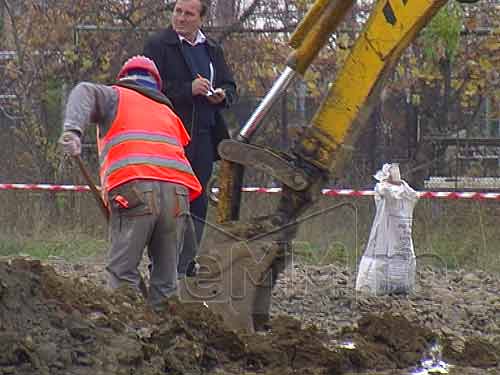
[(51, 324)]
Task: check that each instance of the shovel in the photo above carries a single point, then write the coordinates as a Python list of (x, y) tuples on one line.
[(92, 186)]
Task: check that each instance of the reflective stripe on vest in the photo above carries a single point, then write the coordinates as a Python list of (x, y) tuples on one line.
[(145, 141), (136, 136), (148, 160)]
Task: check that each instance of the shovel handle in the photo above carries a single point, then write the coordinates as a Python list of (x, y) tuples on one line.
[(93, 188)]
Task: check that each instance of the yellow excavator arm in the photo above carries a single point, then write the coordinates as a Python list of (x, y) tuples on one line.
[(390, 29), (239, 269)]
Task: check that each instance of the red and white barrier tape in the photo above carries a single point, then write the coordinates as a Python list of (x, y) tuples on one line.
[(44, 187), (327, 192)]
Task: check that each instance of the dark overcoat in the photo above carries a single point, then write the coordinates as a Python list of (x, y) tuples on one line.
[(165, 49)]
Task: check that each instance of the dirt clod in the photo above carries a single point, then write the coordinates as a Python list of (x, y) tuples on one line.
[(50, 324)]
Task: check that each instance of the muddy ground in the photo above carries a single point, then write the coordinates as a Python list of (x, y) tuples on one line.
[(58, 319)]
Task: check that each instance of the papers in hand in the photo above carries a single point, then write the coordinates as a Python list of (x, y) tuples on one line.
[(212, 91)]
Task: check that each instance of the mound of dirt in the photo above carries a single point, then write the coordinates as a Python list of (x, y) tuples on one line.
[(50, 324)]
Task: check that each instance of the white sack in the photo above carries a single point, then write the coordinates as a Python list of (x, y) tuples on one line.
[(388, 264)]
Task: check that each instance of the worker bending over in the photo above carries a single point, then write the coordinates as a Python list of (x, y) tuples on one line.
[(146, 179)]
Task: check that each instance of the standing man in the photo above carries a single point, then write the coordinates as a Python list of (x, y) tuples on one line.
[(146, 179), (200, 84)]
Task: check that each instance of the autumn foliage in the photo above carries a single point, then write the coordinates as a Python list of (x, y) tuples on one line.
[(448, 75)]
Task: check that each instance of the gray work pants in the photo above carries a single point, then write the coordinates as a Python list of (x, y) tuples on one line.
[(156, 216)]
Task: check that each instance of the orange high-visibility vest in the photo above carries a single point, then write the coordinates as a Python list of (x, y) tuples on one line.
[(145, 141)]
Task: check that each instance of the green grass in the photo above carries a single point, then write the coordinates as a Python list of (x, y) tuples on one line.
[(71, 247), (450, 252), (451, 234), (336, 252)]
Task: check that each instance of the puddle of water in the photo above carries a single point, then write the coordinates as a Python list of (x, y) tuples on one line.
[(347, 345), (434, 368), (432, 362)]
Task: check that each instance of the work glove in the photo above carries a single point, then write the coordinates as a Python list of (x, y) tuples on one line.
[(71, 143)]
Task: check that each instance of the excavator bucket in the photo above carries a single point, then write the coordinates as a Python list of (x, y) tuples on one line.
[(239, 269), (240, 264), (234, 269)]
